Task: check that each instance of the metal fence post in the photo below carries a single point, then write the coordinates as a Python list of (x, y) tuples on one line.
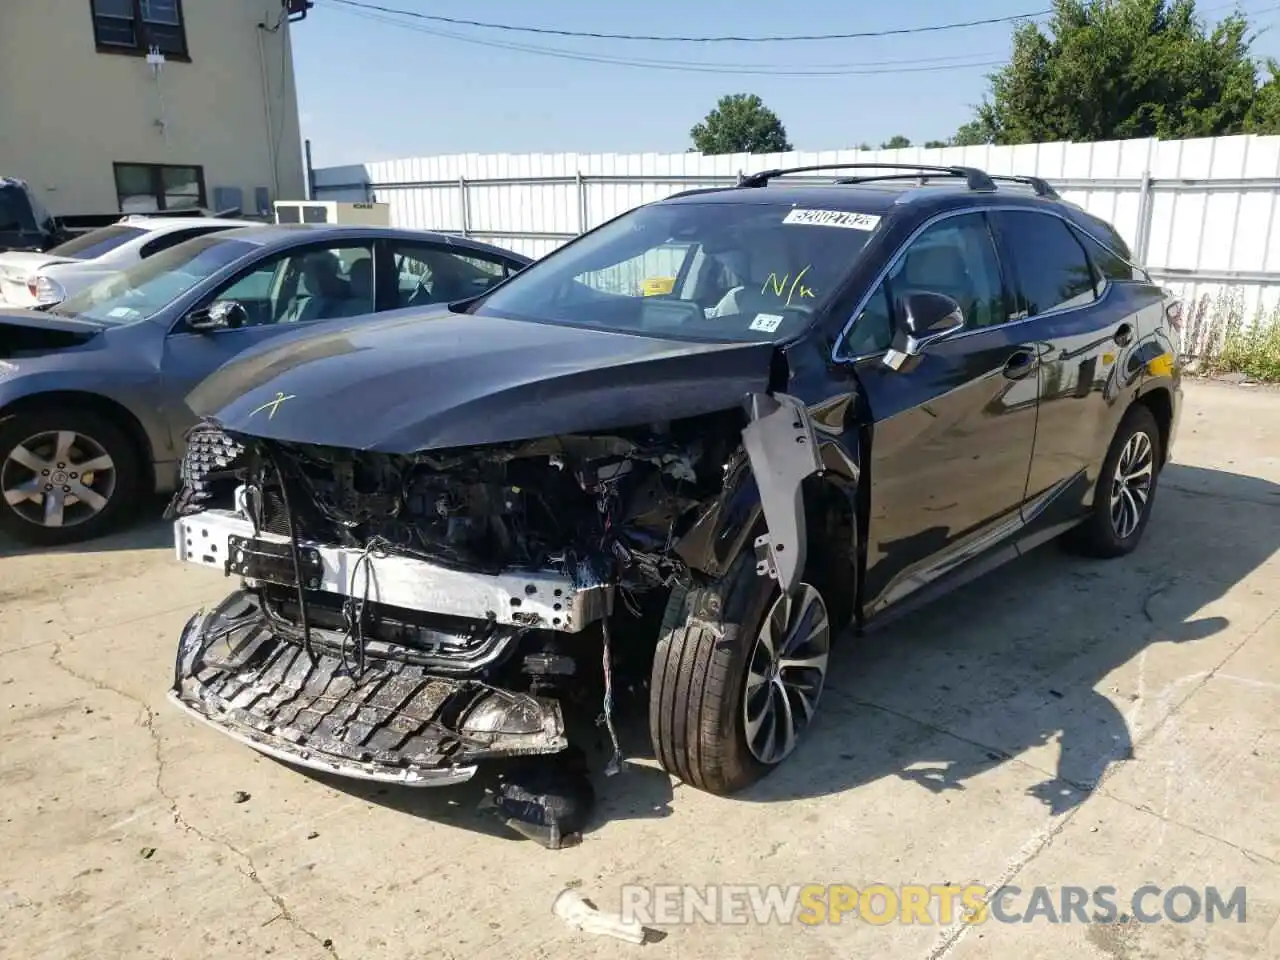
[(580, 185), (466, 206), (1142, 241)]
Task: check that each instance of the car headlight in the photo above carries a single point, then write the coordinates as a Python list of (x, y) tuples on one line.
[(46, 291)]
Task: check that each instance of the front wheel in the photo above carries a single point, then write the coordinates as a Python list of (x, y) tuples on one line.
[(1126, 489), (736, 678), (66, 475)]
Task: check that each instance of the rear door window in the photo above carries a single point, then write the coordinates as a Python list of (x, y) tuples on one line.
[(427, 273), (1049, 262)]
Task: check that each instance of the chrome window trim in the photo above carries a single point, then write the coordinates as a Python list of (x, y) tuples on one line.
[(836, 354)]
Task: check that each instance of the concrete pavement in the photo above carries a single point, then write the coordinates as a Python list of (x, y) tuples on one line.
[(1060, 722)]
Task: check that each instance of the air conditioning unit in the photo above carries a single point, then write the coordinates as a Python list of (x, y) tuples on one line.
[(333, 211)]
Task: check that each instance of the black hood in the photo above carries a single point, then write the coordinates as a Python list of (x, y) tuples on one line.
[(25, 333), (398, 385)]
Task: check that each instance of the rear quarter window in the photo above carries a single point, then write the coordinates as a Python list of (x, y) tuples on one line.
[(1110, 262)]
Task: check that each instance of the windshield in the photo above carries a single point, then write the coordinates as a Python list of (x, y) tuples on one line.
[(703, 271), (95, 243), (148, 287)]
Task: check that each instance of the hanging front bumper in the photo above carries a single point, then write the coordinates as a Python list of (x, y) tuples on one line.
[(384, 720)]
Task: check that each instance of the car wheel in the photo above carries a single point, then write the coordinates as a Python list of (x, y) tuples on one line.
[(65, 475), (1126, 489), (736, 677)]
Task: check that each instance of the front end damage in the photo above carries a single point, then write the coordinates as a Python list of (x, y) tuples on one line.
[(404, 617)]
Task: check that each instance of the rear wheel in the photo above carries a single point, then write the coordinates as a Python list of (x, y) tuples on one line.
[(1126, 489), (736, 678), (65, 475)]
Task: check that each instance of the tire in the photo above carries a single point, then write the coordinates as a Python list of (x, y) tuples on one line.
[(33, 436), (697, 709), (1102, 534)]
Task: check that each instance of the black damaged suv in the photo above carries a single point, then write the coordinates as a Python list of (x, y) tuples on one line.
[(703, 438)]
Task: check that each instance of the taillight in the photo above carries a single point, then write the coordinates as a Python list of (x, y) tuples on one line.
[(46, 291)]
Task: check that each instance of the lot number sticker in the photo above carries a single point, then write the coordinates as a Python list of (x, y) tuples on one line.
[(833, 218), (766, 322)]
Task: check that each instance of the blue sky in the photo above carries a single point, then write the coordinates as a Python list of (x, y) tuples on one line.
[(369, 89)]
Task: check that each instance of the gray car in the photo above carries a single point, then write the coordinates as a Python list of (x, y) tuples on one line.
[(92, 408)]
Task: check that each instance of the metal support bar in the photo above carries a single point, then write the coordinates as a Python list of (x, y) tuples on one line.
[(1144, 218), (582, 201), (464, 202), (311, 172), (1227, 277)]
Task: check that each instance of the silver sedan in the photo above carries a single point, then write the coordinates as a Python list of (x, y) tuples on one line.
[(92, 390)]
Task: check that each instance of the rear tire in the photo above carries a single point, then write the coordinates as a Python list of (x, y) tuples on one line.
[(709, 656), (1126, 489), (47, 496)]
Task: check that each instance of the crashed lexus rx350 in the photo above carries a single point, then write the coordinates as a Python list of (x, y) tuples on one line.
[(707, 436)]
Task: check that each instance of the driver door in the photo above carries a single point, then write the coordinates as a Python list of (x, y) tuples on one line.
[(269, 290), (954, 430)]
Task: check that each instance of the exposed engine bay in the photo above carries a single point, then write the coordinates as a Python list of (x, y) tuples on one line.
[(403, 617)]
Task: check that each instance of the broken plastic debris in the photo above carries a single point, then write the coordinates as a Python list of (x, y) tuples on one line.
[(583, 915)]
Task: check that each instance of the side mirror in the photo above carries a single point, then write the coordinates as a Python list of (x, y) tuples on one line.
[(923, 319), (221, 315)]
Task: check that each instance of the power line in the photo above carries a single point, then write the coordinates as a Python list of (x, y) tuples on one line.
[(862, 68), (660, 38)]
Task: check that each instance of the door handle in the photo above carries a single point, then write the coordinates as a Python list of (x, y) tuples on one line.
[(1022, 363), (1124, 334)]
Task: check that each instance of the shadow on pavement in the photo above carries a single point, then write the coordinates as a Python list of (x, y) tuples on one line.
[(147, 532), (1016, 659)]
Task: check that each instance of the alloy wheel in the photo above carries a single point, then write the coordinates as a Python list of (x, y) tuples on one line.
[(1131, 485), (785, 674), (58, 478)]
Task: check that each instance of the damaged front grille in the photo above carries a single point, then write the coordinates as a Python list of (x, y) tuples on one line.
[(391, 721)]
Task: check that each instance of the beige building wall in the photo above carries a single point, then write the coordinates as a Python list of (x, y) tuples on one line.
[(68, 111)]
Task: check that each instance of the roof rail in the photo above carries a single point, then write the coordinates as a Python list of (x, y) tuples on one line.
[(1038, 184), (974, 178)]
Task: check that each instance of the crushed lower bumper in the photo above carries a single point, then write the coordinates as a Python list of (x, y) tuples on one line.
[(385, 720)]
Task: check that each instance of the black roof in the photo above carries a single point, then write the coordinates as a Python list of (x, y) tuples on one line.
[(878, 198), (876, 188)]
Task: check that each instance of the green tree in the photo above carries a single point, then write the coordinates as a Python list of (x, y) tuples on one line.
[(1114, 69), (1264, 115), (896, 142), (972, 134), (740, 123), (935, 144)]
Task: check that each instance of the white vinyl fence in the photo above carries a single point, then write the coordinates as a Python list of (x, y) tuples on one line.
[(1201, 214)]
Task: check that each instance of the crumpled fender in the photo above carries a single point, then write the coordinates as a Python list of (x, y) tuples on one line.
[(780, 450), (783, 451)]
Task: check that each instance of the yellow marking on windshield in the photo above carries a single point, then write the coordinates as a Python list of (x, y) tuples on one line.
[(780, 286)]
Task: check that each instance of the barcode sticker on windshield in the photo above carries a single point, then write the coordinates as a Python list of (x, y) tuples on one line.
[(766, 322), (833, 218)]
